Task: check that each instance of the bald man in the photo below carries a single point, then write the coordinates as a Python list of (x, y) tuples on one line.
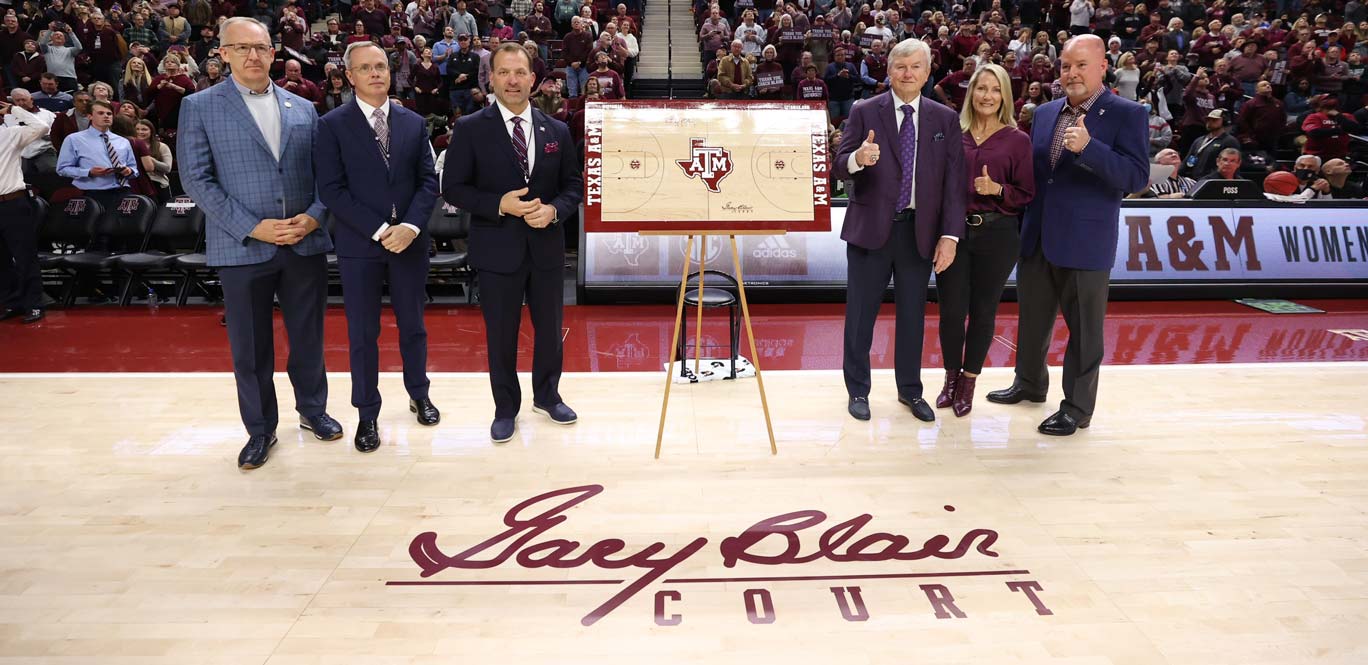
[(1090, 149)]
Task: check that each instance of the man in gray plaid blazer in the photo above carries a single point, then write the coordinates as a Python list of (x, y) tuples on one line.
[(245, 150)]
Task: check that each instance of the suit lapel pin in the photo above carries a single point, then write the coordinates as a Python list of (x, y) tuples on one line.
[(541, 129), (1101, 112), (288, 105)]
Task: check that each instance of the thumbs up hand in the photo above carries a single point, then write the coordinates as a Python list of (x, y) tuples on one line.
[(984, 185), (1076, 138), (868, 153)]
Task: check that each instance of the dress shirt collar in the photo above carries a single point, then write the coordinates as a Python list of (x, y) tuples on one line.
[(1087, 104), (248, 92), (369, 111), (508, 115), (898, 103)]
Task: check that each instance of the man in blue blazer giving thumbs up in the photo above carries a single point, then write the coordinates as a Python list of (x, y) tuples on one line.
[(1090, 150)]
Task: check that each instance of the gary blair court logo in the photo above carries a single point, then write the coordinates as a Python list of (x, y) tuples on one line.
[(707, 163), (788, 540)]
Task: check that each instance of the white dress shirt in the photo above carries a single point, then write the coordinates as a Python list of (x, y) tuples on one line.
[(262, 106), (44, 143), (369, 112), (916, 124), (13, 140)]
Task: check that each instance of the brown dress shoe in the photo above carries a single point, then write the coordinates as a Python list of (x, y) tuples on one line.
[(964, 395), (947, 394)]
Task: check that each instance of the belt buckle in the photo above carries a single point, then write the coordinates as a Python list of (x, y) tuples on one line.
[(975, 219)]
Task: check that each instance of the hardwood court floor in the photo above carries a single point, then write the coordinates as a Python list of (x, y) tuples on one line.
[(1212, 514)]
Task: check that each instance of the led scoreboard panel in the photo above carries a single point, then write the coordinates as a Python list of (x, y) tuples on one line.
[(706, 166)]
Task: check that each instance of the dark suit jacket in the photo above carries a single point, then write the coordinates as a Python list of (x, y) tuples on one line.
[(481, 167), (1077, 204), (359, 190), (941, 181)]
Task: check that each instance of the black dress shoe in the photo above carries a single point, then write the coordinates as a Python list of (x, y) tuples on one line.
[(858, 408), (919, 408), (1061, 423), (11, 312), (255, 452), (367, 436), (559, 414), (323, 426), (502, 430), (33, 316), (1013, 395), (427, 413)]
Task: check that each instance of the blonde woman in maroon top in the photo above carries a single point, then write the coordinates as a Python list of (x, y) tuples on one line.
[(997, 158)]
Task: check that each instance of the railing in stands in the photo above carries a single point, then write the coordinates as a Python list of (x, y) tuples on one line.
[(669, 46)]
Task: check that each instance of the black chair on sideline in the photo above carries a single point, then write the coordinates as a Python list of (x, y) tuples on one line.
[(453, 229), (174, 227), (123, 227), (66, 230), (712, 298), (191, 265)]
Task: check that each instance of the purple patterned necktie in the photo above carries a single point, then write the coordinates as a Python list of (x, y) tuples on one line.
[(520, 145), (907, 156)]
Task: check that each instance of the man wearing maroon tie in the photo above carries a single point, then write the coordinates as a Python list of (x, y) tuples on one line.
[(906, 215), (517, 172)]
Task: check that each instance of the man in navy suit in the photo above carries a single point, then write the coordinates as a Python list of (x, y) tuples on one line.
[(245, 149), (1089, 150), (374, 168), (905, 218), (517, 172)]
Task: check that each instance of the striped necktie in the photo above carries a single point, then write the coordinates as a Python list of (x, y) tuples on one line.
[(382, 135), (114, 160), (520, 145)]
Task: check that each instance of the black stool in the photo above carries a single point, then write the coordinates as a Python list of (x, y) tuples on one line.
[(711, 298)]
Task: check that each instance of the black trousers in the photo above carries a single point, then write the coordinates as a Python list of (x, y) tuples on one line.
[(868, 272), (363, 281), (971, 288), (21, 286), (1043, 289), (301, 284), (501, 299)]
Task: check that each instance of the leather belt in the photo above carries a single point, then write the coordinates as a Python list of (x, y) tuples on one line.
[(905, 215), (981, 218), (13, 195)]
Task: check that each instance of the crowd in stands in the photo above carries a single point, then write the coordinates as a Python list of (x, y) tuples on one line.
[(1272, 81), (70, 59)]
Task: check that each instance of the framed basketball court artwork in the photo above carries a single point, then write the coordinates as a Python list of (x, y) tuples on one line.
[(719, 166)]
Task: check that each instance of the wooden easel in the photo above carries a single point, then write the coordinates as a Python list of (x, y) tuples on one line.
[(698, 329)]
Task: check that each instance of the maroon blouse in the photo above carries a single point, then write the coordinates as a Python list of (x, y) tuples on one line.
[(1007, 154)]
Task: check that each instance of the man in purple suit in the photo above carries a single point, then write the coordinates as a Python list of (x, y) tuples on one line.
[(905, 217)]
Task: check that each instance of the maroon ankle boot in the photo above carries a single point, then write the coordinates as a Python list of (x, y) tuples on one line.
[(947, 394), (964, 395)]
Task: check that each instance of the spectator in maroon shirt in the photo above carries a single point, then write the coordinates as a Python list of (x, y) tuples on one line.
[(168, 90), (610, 83), (1327, 130), (427, 84), (105, 58), (1262, 119), (769, 75), (374, 16), (295, 82), (28, 66), (538, 25), (1001, 183), (811, 88), (360, 34), (955, 87), (11, 42)]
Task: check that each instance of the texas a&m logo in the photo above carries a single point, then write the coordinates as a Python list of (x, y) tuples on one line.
[(707, 163)]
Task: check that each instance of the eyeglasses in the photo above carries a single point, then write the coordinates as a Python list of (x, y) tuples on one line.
[(378, 67), (242, 50)]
